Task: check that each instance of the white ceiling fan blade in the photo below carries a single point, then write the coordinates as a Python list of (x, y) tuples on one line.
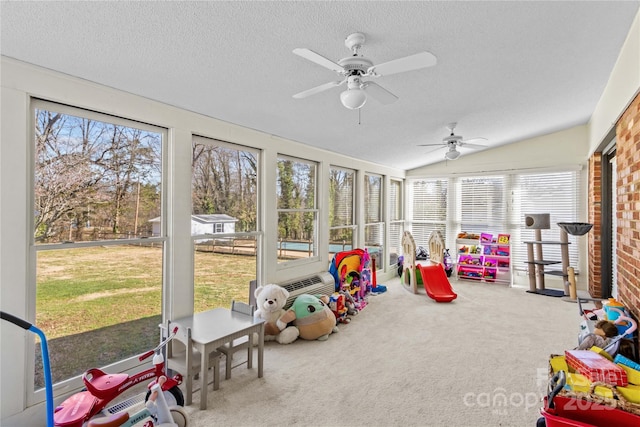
[(318, 59), (465, 141), (440, 144), (379, 93), (400, 65), (470, 145), (318, 89)]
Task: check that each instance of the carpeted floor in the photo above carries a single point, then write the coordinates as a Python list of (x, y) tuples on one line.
[(406, 360)]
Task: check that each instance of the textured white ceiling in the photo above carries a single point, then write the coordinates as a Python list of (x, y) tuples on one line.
[(506, 70)]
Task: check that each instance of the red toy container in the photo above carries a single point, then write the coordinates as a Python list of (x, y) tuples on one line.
[(583, 410), (573, 412)]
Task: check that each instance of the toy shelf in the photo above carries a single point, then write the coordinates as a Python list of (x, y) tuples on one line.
[(483, 259)]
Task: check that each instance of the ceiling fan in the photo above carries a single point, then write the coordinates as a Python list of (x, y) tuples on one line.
[(453, 141), (355, 68)]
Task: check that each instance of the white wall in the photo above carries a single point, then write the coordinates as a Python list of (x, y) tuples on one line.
[(20, 81), (13, 249), (621, 89), (566, 148)]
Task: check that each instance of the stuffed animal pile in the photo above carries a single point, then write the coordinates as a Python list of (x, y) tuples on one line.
[(309, 317)]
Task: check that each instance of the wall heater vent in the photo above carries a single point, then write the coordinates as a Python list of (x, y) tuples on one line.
[(319, 284)]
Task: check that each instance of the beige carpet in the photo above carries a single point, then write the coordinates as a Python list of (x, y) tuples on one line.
[(407, 360)]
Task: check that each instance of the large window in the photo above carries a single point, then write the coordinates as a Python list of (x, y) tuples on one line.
[(341, 210), (428, 208), (483, 207), (497, 204), (224, 193), (396, 221), (296, 191), (373, 218), (552, 193), (97, 200)]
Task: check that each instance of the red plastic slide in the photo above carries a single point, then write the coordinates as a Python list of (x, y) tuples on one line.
[(436, 283)]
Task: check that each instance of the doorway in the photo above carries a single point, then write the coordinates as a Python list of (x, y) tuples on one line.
[(609, 222)]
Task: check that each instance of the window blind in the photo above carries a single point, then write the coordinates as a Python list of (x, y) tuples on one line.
[(483, 206), (395, 200), (396, 223), (341, 190), (498, 204), (428, 208), (552, 193), (372, 198)]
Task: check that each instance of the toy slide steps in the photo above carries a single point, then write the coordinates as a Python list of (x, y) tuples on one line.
[(436, 283)]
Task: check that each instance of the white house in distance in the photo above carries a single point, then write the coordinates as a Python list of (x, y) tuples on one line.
[(204, 224)]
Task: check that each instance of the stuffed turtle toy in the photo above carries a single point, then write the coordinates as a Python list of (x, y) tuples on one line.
[(312, 316)]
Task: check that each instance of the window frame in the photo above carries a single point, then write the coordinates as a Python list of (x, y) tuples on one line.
[(315, 256), (256, 234), (380, 216), (396, 216), (496, 209), (37, 396), (513, 222), (442, 222), (203, 140), (520, 233), (608, 222), (353, 226)]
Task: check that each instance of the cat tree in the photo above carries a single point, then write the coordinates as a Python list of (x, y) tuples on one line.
[(536, 262)]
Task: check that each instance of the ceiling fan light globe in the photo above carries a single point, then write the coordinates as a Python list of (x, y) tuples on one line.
[(452, 154), (353, 98)]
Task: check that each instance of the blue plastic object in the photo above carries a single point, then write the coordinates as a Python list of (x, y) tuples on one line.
[(626, 362), (379, 289), (45, 359)]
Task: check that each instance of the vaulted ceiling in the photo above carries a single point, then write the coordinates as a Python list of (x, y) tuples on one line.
[(506, 71)]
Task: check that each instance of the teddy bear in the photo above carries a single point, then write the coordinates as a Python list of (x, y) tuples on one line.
[(312, 316), (270, 302)]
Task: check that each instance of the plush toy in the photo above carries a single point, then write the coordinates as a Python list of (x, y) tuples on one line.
[(337, 306), (365, 274), (270, 301), (312, 316), (350, 303)]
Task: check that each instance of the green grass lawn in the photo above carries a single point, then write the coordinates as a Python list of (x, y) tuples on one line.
[(103, 304)]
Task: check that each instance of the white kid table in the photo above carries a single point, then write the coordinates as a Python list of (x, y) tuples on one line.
[(213, 328)]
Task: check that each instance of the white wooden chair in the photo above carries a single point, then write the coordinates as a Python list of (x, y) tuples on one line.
[(183, 358), (238, 344)]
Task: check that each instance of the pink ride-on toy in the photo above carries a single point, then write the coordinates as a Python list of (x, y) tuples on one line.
[(102, 388), (155, 414)]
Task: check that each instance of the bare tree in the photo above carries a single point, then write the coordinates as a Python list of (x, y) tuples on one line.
[(63, 177), (89, 172), (224, 180)]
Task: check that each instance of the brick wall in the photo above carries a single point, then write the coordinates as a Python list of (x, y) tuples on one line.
[(628, 206), (594, 237), (627, 212)]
